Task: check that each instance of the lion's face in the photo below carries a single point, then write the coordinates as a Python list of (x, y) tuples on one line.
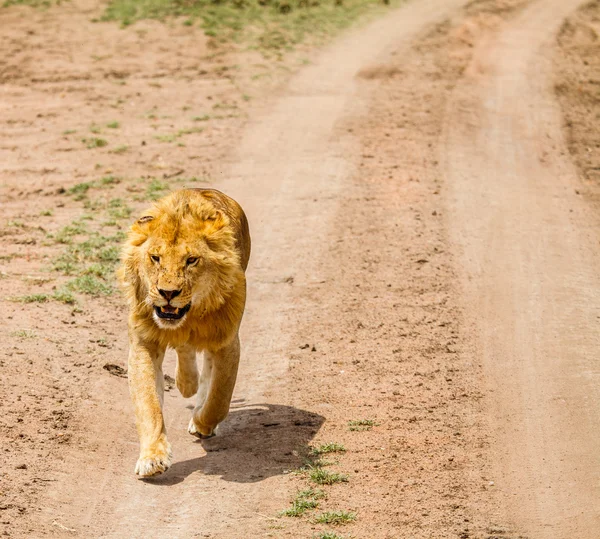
[(179, 258), (178, 275)]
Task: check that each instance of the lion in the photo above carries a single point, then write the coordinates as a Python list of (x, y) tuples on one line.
[(183, 272)]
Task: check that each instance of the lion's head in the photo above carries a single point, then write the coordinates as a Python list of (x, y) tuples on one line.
[(180, 257)]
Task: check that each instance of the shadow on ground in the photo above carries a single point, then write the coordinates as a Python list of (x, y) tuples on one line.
[(255, 442)]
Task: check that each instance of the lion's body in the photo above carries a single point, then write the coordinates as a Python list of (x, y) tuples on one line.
[(183, 274)]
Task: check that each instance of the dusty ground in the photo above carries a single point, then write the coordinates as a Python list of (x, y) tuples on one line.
[(366, 177), (577, 65)]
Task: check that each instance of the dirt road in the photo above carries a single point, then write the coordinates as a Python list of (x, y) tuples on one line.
[(421, 260), (530, 258)]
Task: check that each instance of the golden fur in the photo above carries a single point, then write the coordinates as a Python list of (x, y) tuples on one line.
[(183, 274)]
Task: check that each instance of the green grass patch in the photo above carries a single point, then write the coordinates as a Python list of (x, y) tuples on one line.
[(80, 191), (113, 125), (66, 233), (120, 149), (269, 25), (362, 424), (90, 285), (331, 447), (117, 209), (24, 334), (16, 223), (305, 500), (175, 136), (80, 188), (336, 517), (109, 181), (46, 213), (64, 296), (94, 142), (328, 535), (32, 298), (323, 477), (156, 189), (31, 3)]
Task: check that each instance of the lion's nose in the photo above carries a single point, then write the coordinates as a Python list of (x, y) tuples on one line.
[(169, 294)]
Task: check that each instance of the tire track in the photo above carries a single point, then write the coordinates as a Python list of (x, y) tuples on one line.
[(529, 267)]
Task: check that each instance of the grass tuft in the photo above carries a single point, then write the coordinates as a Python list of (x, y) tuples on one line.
[(272, 26), (336, 517), (328, 535), (94, 142), (324, 477), (24, 334), (66, 233), (305, 500), (90, 285), (32, 298), (156, 189), (64, 296), (362, 424), (331, 447)]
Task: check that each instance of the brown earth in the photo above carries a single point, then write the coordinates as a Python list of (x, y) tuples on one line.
[(414, 218), (577, 66)]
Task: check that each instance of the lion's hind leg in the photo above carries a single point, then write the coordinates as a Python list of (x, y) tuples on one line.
[(215, 389), (186, 372)]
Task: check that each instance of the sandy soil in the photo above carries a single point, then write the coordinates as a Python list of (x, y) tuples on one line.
[(421, 259)]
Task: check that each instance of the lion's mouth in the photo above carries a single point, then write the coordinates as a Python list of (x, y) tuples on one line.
[(168, 312)]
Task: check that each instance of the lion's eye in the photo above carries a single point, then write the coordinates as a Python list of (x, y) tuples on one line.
[(155, 258), (192, 260)]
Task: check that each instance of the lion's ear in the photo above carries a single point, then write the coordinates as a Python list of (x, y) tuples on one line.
[(140, 230), (215, 216)]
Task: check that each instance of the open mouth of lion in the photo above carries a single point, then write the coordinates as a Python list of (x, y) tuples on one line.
[(168, 312)]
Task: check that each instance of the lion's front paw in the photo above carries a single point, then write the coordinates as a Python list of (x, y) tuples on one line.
[(153, 462), (202, 433)]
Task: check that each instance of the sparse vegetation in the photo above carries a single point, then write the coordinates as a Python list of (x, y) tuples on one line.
[(80, 189), (336, 517), (46, 213), (24, 334), (66, 234), (90, 285), (305, 500), (94, 142), (119, 149), (323, 477), (109, 181), (328, 535), (32, 298), (361, 424), (32, 3), (117, 209), (156, 189), (113, 125), (62, 296), (174, 136), (331, 447), (271, 26)]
